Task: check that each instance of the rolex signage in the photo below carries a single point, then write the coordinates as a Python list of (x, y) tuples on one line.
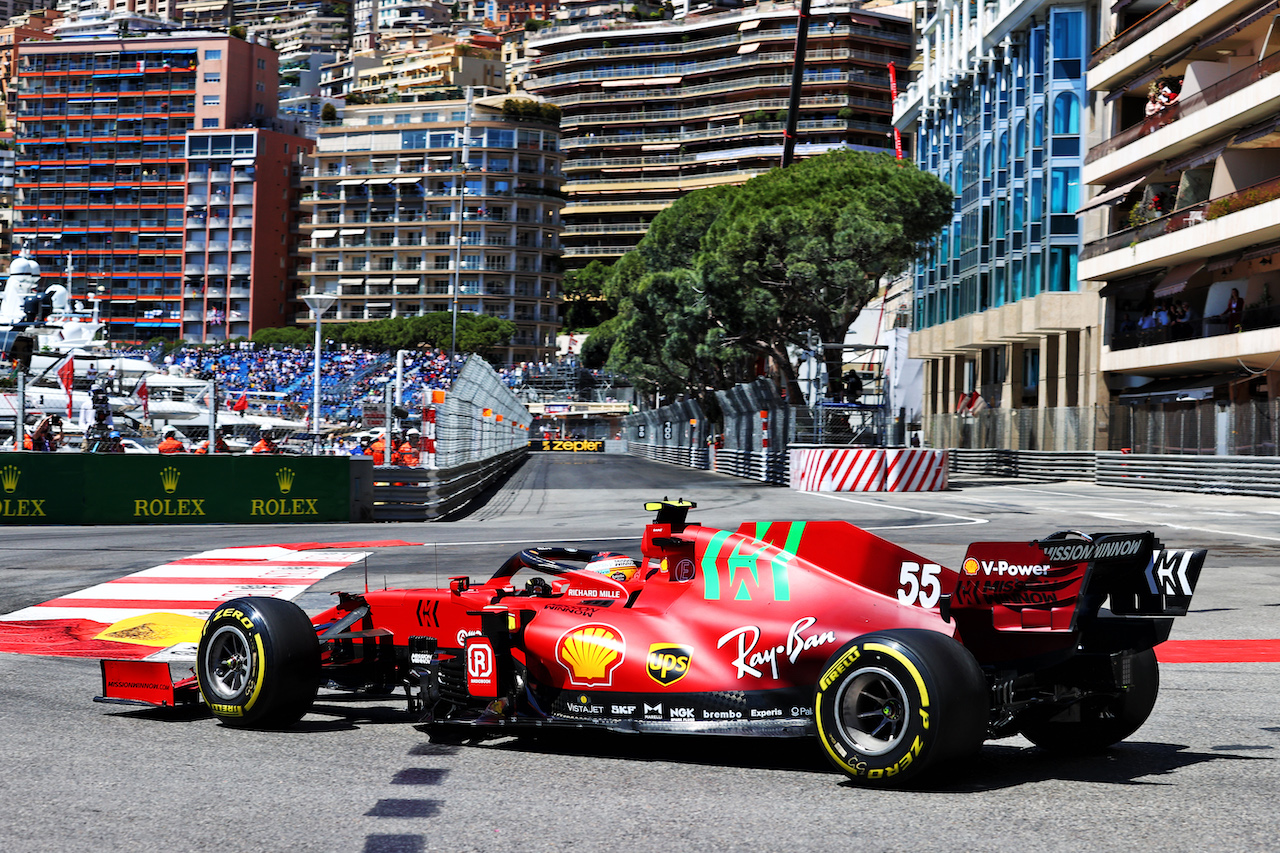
[(82, 488)]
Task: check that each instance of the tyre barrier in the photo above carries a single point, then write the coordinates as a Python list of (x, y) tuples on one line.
[(867, 469), (767, 467), (420, 494)]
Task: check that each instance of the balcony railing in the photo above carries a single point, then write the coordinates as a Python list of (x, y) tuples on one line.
[(1137, 31), (1187, 106), (1185, 217), (1253, 317)]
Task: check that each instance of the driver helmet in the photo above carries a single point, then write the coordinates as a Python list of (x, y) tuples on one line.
[(617, 566), (170, 433)]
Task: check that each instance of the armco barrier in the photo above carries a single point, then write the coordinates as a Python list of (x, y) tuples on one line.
[(767, 467), (420, 494), (690, 457), (1026, 464), (87, 488), (1223, 475)]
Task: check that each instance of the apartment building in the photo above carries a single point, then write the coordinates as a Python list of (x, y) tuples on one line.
[(432, 62), (657, 108), (1184, 224), (1000, 316), (421, 206), (114, 186)]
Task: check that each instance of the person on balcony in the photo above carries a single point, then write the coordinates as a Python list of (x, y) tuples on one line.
[(1234, 315)]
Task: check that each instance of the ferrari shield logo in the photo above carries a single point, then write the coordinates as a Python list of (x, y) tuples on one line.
[(668, 664)]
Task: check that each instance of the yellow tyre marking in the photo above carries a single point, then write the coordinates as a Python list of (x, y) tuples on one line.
[(900, 658), (817, 702), (261, 671)]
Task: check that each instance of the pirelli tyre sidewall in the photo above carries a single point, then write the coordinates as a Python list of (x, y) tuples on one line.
[(893, 705), (258, 663)]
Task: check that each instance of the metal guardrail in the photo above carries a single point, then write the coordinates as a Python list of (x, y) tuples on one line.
[(689, 457), (421, 494), (1211, 475), (1027, 464)]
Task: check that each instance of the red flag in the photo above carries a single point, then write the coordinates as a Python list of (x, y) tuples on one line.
[(145, 396), (241, 404), (67, 375)]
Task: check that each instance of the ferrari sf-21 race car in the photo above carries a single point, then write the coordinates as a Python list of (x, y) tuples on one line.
[(779, 629)]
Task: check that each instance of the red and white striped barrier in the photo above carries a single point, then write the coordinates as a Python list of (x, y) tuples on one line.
[(850, 469), (915, 470)]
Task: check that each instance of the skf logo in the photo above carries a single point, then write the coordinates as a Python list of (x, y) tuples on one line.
[(668, 664), (970, 566), (9, 475), (591, 653), (284, 478), (169, 479)]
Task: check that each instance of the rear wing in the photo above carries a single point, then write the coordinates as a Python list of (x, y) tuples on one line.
[(1016, 599)]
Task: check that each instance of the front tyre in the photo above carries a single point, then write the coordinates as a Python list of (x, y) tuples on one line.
[(258, 664), (893, 705)]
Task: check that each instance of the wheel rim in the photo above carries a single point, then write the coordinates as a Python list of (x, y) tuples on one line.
[(873, 711), (227, 662)]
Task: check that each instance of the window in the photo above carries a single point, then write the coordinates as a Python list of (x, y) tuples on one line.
[(413, 139), (212, 100), (428, 118), (262, 87), (1064, 189), (262, 65), (1066, 114), (403, 118), (209, 122), (1062, 269), (213, 54), (213, 77)]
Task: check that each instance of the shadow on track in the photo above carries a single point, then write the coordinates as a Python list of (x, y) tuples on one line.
[(996, 767)]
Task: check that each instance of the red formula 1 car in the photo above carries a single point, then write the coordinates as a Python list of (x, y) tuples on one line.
[(778, 629)]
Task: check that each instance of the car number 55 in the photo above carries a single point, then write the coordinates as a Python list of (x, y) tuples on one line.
[(920, 584)]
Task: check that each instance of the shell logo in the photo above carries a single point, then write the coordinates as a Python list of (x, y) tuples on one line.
[(590, 653), (970, 566)]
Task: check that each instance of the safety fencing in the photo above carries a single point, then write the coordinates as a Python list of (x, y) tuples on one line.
[(757, 426), (478, 433)]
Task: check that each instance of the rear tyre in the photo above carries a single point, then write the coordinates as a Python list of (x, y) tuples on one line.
[(1096, 723), (894, 705), (258, 664)]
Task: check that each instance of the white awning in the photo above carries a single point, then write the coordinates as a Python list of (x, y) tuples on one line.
[(378, 181), (350, 281), (405, 281), (351, 232), (325, 233), (1176, 280), (378, 304), (406, 180), (749, 48), (351, 182), (242, 163), (1112, 196), (652, 81), (378, 281), (749, 25)]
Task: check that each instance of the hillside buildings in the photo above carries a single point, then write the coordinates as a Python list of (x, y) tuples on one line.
[(430, 205), (657, 108), (154, 172)]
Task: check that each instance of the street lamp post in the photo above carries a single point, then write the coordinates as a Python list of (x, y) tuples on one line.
[(459, 187), (318, 303)]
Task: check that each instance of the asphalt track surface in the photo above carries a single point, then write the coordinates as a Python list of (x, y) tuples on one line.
[(1201, 774)]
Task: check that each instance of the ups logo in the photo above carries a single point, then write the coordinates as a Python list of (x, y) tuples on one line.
[(668, 664)]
